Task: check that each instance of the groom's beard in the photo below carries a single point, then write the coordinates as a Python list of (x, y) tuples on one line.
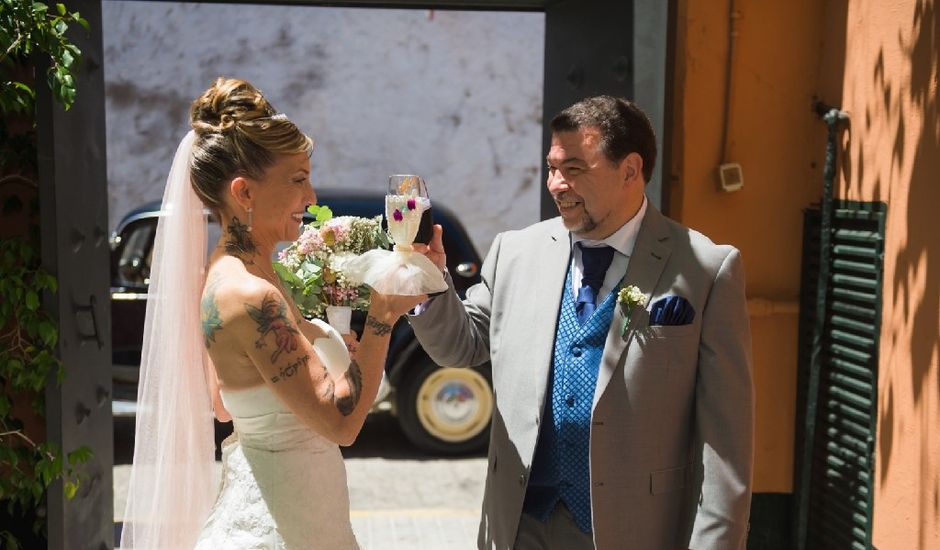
[(582, 224)]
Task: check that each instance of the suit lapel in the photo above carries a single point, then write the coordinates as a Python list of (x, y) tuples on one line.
[(550, 260), (645, 266)]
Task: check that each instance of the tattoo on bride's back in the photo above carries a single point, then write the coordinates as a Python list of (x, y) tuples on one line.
[(291, 369), (209, 312)]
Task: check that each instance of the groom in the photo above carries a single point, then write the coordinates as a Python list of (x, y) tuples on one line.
[(624, 420)]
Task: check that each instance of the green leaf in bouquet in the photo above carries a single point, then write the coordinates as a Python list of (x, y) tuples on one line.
[(321, 213), (287, 275), (380, 238), (311, 306), (363, 298), (310, 275), (309, 268)]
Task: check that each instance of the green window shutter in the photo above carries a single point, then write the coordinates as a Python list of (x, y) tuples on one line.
[(842, 468)]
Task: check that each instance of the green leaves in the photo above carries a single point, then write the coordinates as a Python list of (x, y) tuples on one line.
[(48, 333), (26, 29), (31, 35), (9, 540), (80, 455), (286, 274), (304, 284), (322, 213), (27, 362), (32, 300)]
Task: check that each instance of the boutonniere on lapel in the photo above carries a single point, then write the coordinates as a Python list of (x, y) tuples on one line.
[(628, 298)]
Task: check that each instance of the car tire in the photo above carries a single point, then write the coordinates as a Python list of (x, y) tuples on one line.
[(446, 410)]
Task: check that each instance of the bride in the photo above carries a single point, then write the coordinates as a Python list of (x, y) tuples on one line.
[(283, 479)]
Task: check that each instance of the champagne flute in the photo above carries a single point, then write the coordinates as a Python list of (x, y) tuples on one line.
[(408, 211)]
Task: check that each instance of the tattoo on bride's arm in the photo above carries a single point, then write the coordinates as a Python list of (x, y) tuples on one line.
[(328, 393), (272, 318), (329, 390), (291, 369), (378, 327), (239, 241), (209, 313), (346, 405)]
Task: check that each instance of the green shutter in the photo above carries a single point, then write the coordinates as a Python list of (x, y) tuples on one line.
[(842, 468)]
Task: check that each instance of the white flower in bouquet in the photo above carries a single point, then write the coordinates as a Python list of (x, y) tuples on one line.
[(312, 266)]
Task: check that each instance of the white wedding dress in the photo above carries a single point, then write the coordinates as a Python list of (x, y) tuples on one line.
[(283, 484)]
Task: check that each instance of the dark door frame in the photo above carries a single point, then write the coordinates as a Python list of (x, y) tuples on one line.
[(616, 47)]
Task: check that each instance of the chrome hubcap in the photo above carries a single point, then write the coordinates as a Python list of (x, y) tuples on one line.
[(454, 405)]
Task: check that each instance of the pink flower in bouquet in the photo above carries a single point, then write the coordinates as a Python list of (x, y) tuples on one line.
[(310, 241), (334, 233), (397, 215), (339, 295), (340, 229), (312, 267), (411, 204), (329, 237)]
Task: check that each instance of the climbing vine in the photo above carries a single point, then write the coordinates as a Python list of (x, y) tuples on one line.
[(31, 34)]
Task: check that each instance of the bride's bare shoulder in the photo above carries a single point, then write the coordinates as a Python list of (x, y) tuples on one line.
[(235, 293)]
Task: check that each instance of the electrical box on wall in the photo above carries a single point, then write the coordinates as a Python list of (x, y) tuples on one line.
[(732, 177)]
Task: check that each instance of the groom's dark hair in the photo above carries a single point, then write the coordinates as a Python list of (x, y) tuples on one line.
[(624, 128)]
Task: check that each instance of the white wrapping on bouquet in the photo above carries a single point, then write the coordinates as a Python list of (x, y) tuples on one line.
[(332, 350), (401, 272), (396, 272)]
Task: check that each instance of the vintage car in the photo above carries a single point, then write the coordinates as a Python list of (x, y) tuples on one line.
[(441, 410)]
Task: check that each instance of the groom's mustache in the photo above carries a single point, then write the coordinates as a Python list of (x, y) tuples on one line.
[(563, 197)]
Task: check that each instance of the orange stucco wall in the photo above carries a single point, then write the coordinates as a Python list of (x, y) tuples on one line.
[(889, 87), (878, 60), (779, 143)]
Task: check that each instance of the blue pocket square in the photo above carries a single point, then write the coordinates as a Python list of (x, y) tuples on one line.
[(671, 311)]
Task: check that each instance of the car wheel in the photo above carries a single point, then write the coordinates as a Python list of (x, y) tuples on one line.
[(446, 410)]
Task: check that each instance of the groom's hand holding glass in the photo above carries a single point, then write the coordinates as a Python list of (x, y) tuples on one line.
[(434, 250)]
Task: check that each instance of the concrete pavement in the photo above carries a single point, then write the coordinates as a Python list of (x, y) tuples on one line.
[(400, 499)]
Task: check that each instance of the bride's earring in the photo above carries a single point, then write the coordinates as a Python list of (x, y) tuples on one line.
[(249, 219)]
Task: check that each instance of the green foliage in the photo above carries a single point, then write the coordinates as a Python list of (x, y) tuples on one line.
[(27, 29), (30, 34), (28, 337), (312, 268), (322, 213)]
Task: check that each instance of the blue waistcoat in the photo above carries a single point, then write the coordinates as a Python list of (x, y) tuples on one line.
[(561, 467)]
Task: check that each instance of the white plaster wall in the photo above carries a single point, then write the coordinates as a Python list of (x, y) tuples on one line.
[(453, 96)]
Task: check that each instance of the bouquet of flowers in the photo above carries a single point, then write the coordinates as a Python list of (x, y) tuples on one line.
[(312, 266)]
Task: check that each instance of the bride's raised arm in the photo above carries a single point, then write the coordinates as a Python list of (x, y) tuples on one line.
[(258, 315)]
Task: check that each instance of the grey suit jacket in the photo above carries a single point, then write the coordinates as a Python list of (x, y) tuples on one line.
[(672, 423)]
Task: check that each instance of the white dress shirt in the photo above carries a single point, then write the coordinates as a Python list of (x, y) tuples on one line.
[(622, 241)]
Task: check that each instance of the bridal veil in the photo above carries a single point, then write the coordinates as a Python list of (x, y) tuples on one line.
[(172, 487)]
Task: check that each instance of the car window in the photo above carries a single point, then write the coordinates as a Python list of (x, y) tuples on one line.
[(133, 262), (135, 251), (212, 238)]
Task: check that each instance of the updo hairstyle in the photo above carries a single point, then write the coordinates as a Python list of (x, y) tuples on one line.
[(238, 133)]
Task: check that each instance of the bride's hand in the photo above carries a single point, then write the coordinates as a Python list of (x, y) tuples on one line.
[(388, 308), (352, 343)]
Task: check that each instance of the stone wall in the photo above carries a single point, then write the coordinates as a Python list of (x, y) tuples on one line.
[(453, 96)]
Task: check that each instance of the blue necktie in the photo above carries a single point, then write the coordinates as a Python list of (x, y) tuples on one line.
[(594, 264)]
